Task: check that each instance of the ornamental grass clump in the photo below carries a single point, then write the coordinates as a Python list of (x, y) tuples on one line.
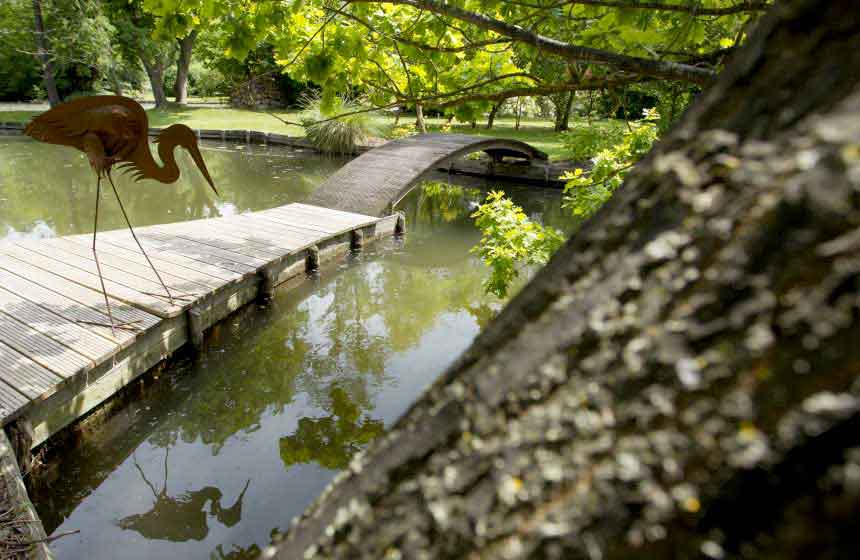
[(334, 125)]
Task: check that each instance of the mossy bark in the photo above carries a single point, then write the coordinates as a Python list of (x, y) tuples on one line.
[(681, 379)]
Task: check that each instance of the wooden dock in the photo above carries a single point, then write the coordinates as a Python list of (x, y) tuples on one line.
[(56, 364)]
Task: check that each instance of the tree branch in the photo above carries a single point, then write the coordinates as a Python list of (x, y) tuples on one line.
[(691, 8), (642, 66)]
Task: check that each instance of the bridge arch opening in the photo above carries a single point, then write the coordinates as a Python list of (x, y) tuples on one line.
[(376, 181)]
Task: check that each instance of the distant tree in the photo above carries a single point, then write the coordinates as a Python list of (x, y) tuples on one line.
[(134, 37), (182, 22), (43, 53)]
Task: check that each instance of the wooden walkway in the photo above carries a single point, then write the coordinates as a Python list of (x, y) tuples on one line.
[(375, 181), (56, 365)]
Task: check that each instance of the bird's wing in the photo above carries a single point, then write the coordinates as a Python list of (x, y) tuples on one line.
[(120, 122), (61, 125)]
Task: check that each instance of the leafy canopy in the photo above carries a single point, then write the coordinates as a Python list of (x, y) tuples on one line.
[(471, 51)]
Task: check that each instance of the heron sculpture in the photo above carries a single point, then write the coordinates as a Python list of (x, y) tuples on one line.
[(111, 130)]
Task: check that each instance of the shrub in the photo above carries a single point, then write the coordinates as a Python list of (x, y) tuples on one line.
[(510, 240), (584, 141), (586, 191)]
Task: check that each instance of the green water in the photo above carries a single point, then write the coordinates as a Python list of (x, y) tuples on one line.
[(218, 452), (49, 190)]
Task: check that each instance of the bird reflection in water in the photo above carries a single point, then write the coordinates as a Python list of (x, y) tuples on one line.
[(183, 517)]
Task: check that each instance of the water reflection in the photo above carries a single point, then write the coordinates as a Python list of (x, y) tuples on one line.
[(285, 394), (182, 517), (331, 441), (46, 190)]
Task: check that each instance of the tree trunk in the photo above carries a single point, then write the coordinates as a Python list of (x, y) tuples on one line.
[(155, 72), (491, 118), (183, 63), (419, 119), (519, 112), (681, 380), (43, 54), (562, 120)]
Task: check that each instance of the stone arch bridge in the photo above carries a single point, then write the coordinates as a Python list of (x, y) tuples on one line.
[(377, 180)]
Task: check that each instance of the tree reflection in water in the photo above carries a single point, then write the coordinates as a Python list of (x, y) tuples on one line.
[(331, 441)]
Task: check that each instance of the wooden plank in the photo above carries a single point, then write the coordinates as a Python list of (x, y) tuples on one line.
[(325, 216), (220, 234), (56, 327), (203, 248), (252, 230), (64, 307), (141, 268), (11, 400), (252, 223), (32, 282), (310, 219), (73, 274), (21, 346), (145, 285), (276, 229), (42, 349), (121, 254), (156, 250), (199, 253), (24, 374), (332, 213), (278, 220), (324, 228)]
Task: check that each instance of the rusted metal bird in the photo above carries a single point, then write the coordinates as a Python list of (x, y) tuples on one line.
[(112, 130)]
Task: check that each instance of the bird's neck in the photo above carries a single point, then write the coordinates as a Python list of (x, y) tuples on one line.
[(169, 172)]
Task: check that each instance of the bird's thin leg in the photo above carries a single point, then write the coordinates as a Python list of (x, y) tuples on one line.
[(96, 255), (131, 229)]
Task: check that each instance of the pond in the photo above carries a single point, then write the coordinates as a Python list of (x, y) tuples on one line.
[(217, 452), (49, 190)]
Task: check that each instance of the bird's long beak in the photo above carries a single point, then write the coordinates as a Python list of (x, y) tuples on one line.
[(198, 159)]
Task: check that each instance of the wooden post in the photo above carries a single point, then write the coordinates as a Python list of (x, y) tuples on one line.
[(356, 241), (20, 434), (267, 285), (196, 332), (400, 226), (312, 262)]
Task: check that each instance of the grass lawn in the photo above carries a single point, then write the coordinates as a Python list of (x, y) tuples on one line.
[(202, 117), (538, 133)]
